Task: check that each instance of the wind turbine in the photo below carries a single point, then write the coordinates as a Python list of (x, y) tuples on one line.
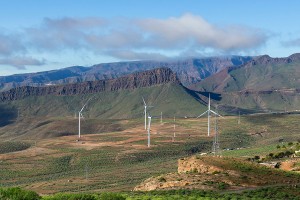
[(80, 116), (208, 115), (145, 111)]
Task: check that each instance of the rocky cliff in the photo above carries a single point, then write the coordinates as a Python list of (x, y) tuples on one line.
[(132, 81)]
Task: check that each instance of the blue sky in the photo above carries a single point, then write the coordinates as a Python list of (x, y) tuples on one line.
[(38, 35)]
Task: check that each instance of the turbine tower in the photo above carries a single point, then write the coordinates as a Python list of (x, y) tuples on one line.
[(80, 116), (208, 115), (174, 134), (149, 125), (145, 111)]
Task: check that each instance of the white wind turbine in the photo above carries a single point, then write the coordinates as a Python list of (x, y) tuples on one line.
[(80, 116), (208, 115), (145, 111)]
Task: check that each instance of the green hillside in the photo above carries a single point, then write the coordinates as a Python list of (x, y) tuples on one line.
[(49, 116), (260, 76), (266, 84), (171, 99)]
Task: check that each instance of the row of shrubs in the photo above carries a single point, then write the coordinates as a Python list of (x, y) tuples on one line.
[(279, 192), (20, 194), (7, 147), (286, 152)]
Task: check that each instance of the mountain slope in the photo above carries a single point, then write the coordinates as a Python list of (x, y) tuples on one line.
[(51, 113), (261, 74), (187, 70), (264, 83), (136, 80)]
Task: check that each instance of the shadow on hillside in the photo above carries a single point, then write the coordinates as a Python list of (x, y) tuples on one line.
[(213, 96), (7, 115), (231, 110), (197, 95)]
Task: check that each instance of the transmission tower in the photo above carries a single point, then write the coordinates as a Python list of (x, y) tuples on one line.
[(216, 144)]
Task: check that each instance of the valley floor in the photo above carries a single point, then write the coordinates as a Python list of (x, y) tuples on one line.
[(119, 160)]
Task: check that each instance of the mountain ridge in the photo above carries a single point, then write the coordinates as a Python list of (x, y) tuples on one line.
[(231, 78), (132, 81), (188, 70), (264, 84)]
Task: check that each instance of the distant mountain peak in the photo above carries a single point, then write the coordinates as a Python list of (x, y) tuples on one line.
[(266, 60), (295, 56)]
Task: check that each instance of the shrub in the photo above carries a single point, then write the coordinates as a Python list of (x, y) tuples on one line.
[(216, 172), (271, 155), (162, 179), (256, 157), (66, 196), (18, 194), (222, 186), (111, 196)]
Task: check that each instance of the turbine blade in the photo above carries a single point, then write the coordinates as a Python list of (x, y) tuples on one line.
[(202, 114), (144, 101), (85, 104), (215, 113)]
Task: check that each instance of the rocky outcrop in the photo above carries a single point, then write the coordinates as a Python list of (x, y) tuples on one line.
[(193, 164), (217, 173), (132, 81)]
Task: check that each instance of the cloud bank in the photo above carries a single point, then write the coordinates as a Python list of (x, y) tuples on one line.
[(292, 43), (127, 39)]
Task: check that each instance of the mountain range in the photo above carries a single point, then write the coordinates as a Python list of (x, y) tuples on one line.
[(245, 84), (187, 70)]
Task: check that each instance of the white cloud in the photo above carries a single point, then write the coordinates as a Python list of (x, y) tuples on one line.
[(129, 39), (292, 43), (194, 31), (21, 62), (11, 44)]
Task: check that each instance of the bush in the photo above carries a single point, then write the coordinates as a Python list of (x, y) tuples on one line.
[(256, 157), (271, 155), (65, 196), (7, 147), (111, 196), (18, 194), (222, 186), (162, 179)]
